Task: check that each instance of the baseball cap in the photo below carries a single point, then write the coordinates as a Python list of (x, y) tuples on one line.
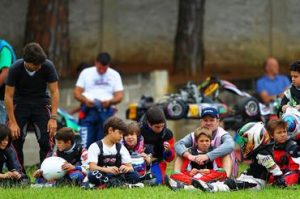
[(210, 111)]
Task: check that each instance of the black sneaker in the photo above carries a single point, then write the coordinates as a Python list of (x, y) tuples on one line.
[(199, 184), (172, 184)]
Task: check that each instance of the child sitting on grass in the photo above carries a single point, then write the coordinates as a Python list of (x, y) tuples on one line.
[(8, 157), (109, 161), (255, 145), (207, 172), (68, 148), (134, 142), (285, 153)]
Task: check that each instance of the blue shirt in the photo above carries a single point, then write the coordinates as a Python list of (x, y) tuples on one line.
[(272, 86)]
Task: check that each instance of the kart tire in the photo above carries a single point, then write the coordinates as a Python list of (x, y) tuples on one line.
[(248, 107), (175, 110)]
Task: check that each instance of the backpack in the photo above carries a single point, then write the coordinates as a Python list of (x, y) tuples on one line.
[(109, 160)]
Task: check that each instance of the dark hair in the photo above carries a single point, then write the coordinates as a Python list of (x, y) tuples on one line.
[(4, 132), (273, 124), (155, 115), (133, 128), (65, 134), (116, 124), (103, 58), (34, 53), (295, 66), (82, 66), (202, 131)]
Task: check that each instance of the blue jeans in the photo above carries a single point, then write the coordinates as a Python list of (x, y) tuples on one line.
[(91, 126), (2, 113)]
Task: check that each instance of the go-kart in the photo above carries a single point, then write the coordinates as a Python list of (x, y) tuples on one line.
[(243, 107), (236, 107), (66, 120)]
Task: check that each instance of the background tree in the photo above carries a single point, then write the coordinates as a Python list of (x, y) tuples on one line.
[(47, 24), (189, 47)]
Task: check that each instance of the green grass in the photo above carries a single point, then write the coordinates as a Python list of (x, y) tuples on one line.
[(147, 192)]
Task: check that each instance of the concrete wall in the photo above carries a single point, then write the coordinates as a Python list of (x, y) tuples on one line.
[(141, 32)]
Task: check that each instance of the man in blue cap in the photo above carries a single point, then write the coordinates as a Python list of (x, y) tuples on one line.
[(222, 142)]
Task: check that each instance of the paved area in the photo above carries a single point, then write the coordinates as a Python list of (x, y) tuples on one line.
[(31, 150)]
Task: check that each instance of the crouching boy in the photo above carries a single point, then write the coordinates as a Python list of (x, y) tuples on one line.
[(109, 161), (69, 148)]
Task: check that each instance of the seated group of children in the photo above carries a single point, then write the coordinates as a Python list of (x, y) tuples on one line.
[(110, 162), (107, 163), (274, 159)]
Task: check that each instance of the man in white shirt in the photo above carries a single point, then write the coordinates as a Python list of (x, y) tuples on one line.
[(98, 88)]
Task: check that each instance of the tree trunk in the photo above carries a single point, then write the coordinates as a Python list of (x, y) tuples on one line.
[(189, 47), (47, 24)]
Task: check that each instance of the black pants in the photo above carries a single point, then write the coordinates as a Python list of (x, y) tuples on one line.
[(37, 115), (98, 178)]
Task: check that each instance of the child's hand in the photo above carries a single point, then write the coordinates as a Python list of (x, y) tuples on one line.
[(146, 157), (201, 159), (68, 166), (284, 107), (112, 170), (8, 175), (193, 172), (38, 173), (124, 169), (167, 146), (204, 171), (16, 175)]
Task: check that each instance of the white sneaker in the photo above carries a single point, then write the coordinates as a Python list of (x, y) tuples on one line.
[(137, 185), (42, 185)]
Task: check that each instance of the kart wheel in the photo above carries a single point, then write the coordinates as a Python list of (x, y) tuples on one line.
[(248, 107), (175, 110)]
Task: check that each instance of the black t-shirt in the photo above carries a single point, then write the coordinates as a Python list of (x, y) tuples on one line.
[(257, 170), (31, 89)]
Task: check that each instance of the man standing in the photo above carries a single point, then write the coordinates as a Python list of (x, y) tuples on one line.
[(98, 88), (7, 57), (27, 100), (271, 85)]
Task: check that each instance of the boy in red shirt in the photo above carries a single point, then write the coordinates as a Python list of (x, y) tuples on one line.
[(285, 153)]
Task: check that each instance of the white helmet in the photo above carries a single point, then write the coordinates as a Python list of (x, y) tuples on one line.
[(251, 136), (293, 121), (52, 168)]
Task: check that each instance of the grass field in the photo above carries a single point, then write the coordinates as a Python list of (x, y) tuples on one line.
[(148, 192)]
